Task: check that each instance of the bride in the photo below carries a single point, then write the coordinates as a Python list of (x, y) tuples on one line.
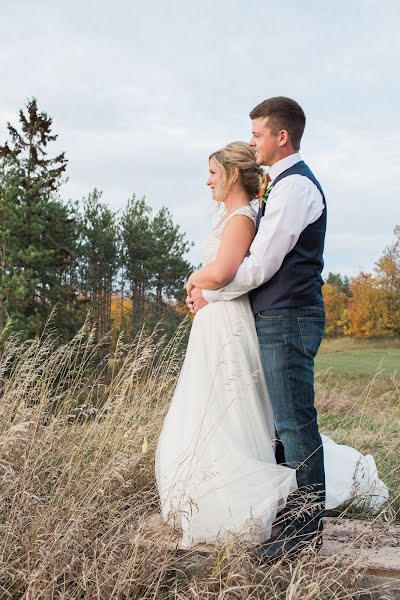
[(216, 470)]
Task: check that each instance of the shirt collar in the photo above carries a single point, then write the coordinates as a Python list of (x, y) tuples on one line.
[(283, 164)]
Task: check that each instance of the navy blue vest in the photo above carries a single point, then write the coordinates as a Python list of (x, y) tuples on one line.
[(298, 282)]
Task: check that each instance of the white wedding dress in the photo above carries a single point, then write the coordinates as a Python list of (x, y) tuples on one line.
[(215, 463)]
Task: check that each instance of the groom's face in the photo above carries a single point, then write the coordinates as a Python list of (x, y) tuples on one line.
[(264, 142)]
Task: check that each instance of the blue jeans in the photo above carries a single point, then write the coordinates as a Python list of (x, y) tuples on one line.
[(289, 340)]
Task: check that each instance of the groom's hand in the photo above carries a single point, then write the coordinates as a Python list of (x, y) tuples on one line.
[(197, 299)]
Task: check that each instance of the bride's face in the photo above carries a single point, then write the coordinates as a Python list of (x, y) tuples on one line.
[(214, 178)]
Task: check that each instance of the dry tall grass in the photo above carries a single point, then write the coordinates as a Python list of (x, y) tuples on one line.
[(77, 486)]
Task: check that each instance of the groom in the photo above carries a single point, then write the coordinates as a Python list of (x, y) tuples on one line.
[(283, 276)]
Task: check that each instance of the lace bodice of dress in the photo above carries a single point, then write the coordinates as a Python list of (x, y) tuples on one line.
[(210, 248)]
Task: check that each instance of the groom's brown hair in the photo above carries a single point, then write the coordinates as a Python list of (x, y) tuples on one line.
[(283, 113)]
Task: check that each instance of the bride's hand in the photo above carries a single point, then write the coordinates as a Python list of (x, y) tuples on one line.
[(198, 300), (189, 304), (189, 286)]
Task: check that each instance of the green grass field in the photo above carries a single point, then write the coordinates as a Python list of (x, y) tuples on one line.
[(358, 400), (363, 360)]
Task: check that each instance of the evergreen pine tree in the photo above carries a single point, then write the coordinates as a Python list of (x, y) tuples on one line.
[(98, 262), (137, 250), (168, 267), (38, 232)]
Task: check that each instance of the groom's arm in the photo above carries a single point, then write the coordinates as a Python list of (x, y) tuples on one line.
[(292, 205)]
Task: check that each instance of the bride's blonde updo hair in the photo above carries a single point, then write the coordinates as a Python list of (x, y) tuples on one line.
[(240, 155)]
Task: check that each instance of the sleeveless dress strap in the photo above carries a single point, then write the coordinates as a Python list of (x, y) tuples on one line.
[(247, 211)]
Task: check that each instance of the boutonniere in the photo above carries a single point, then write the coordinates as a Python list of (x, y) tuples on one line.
[(266, 194), (263, 189)]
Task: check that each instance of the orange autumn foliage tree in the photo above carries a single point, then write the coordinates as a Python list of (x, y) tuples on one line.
[(365, 307), (336, 309), (370, 305), (375, 306), (387, 277), (121, 317)]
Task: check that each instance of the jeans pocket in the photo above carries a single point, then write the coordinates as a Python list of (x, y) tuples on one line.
[(270, 328), (311, 332), (315, 310)]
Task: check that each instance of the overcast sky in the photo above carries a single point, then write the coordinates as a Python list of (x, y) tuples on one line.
[(141, 92)]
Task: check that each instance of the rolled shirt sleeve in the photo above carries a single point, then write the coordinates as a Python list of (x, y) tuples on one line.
[(293, 203)]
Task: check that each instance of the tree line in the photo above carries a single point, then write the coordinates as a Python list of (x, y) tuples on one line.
[(79, 256), (126, 268), (368, 305)]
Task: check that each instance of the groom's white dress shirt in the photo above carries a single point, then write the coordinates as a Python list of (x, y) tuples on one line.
[(293, 203)]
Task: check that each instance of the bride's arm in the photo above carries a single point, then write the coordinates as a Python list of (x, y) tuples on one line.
[(236, 240)]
